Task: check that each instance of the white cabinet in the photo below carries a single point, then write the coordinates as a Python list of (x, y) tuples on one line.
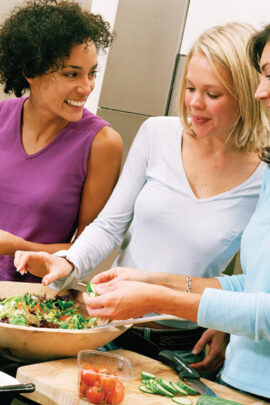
[(141, 61), (203, 14)]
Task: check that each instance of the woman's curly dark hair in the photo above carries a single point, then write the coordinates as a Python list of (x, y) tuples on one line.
[(40, 36), (255, 50)]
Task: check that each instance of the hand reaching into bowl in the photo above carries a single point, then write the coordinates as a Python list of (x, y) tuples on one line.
[(122, 299), (43, 264)]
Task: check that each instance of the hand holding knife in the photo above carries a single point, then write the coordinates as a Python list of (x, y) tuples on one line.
[(185, 372)]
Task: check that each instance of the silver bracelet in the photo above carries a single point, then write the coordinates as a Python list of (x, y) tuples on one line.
[(188, 284)]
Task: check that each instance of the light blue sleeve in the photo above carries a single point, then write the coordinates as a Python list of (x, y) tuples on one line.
[(232, 283), (238, 313), (266, 179)]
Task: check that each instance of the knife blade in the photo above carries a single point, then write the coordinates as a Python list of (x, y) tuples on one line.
[(11, 384), (20, 388), (185, 372)]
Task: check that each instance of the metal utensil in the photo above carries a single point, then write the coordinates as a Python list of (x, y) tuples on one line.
[(132, 321), (11, 384), (185, 372), (22, 388)]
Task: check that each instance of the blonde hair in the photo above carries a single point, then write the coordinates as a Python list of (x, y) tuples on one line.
[(226, 46)]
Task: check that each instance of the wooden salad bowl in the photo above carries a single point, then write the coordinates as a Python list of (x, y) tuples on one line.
[(28, 344)]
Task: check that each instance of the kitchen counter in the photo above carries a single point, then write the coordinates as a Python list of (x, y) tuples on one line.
[(57, 383)]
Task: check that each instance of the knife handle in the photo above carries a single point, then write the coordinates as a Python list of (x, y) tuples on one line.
[(181, 367), (18, 388)]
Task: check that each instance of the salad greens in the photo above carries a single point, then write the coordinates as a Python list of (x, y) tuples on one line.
[(31, 310), (91, 289)]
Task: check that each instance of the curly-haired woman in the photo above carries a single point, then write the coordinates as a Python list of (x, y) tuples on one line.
[(58, 162)]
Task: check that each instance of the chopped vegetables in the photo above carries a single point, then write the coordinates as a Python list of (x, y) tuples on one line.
[(91, 289), (182, 401), (186, 388), (176, 391), (147, 376), (160, 386), (207, 400), (31, 310), (143, 388)]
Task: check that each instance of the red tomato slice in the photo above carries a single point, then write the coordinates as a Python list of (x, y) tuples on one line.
[(89, 376), (95, 394), (64, 318)]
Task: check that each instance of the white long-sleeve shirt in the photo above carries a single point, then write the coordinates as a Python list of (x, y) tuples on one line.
[(154, 213)]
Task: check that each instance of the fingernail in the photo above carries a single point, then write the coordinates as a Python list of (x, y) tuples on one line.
[(18, 268), (195, 351), (45, 282)]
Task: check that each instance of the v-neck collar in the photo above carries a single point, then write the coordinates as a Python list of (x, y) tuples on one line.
[(217, 196), (43, 150)]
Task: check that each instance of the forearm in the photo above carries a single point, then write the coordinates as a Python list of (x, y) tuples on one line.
[(179, 282), (21, 244), (126, 299), (181, 304)]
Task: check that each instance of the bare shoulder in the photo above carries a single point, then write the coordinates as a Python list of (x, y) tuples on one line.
[(108, 141)]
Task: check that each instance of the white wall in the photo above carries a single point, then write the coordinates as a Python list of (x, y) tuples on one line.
[(6, 6), (203, 14), (107, 8)]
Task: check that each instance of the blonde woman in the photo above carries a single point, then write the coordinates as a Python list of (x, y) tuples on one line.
[(187, 191), (239, 305)]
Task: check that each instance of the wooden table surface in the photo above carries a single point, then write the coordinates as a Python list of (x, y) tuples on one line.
[(57, 383)]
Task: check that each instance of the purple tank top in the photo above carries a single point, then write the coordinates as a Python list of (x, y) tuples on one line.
[(40, 193)]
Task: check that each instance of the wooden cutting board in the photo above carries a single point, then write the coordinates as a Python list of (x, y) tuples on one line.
[(57, 383)]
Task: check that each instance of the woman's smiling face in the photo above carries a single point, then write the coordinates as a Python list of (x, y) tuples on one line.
[(263, 90), (63, 93), (212, 109)]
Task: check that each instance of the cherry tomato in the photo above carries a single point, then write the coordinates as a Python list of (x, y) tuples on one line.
[(116, 395), (89, 375), (107, 381), (103, 370), (83, 388), (95, 394)]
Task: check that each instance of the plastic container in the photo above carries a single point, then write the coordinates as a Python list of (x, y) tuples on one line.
[(103, 376)]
